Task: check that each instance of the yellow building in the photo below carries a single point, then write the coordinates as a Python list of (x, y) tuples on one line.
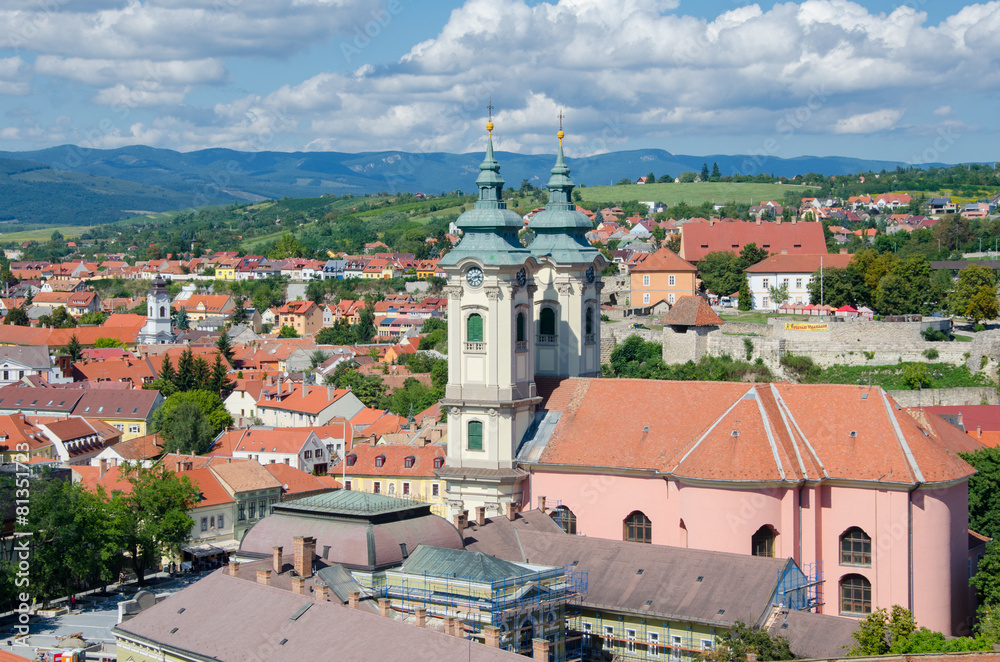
[(663, 277), (403, 471), (22, 442)]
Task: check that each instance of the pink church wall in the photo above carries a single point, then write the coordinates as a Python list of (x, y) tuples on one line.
[(809, 521)]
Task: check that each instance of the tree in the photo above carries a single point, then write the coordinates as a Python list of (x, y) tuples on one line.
[(970, 281), (225, 346), (837, 287), (74, 348), (58, 319), (751, 255), (151, 519), (364, 331), (187, 376), (104, 342), (744, 638), (16, 317), (704, 172), (778, 293), (878, 630), (905, 289), (180, 319), (95, 318), (983, 306), (219, 381), (340, 333), (186, 430), (746, 299), (721, 273), (167, 372), (716, 174), (209, 403), (288, 332)]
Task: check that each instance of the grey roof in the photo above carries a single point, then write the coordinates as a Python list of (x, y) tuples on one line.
[(40, 398), (30, 356), (668, 582), (350, 503), (498, 538), (443, 562), (340, 581), (276, 624), (816, 636)]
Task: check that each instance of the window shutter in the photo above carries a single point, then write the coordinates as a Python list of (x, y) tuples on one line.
[(475, 328), (475, 435)]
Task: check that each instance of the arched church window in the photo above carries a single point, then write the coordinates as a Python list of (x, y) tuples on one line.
[(163, 311), (475, 436), (855, 547), (762, 542), (855, 595), (589, 321), (474, 328), (638, 528), (520, 327)]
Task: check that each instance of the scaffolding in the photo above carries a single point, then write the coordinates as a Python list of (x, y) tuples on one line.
[(539, 604), (800, 588)]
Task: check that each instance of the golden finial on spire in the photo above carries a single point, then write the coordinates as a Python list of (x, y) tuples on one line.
[(489, 123), (560, 134)]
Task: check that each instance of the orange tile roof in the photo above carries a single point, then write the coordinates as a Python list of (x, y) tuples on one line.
[(18, 430), (296, 481), (313, 402), (278, 440), (663, 260), (727, 431), (212, 491), (692, 311), (799, 264), (243, 476), (394, 460)]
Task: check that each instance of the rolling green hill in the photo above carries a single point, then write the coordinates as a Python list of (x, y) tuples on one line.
[(692, 194)]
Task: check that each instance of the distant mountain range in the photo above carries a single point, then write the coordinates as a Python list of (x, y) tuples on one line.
[(72, 185)]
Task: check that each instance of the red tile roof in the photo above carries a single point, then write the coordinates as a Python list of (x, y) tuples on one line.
[(692, 311), (296, 481), (699, 239), (663, 260), (394, 460), (212, 491), (727, 431), (799, 264)]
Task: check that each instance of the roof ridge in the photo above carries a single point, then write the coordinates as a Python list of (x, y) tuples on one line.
[(709, 431), (901, 438)]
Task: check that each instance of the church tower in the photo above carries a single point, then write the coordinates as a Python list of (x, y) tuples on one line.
[(157, 330), (490, 397), (567, 302)]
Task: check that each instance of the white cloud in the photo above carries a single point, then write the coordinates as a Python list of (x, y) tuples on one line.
[(872, 122), (943, 111)]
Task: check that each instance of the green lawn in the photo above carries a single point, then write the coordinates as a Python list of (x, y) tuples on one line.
[(692, 194), (761, 318), (890, 377), (44, 234)]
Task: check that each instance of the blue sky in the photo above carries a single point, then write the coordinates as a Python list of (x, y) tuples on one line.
[(912, 81)]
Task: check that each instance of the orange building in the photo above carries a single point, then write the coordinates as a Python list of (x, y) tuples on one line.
[(662, 276), (303, 316)]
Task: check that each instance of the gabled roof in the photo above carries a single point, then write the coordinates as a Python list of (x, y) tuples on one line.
[(394, 460), (212, 491), (445, 562), (279, 440), (244, 476), (799, 264), (295, 481), (700, 239), (663, 260)]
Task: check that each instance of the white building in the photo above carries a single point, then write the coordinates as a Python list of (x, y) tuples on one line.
[(793, 272), (299, 448)]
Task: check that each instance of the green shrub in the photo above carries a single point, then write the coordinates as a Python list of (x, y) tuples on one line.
[(979, 327), (915, 376), (983, 361), (802, 367), (605, 318), (933, 335), (931, 354), (748, 346), (869, 355)]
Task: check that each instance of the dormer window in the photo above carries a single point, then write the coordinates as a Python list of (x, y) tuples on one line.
[(352, 460), (438, 462), (408, 462), (380, 460)]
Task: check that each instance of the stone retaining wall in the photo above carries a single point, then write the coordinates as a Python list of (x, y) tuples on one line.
[(949, 397)]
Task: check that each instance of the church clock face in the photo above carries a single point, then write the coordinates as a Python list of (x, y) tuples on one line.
[(474, 276), (522, 278), (590, 274)]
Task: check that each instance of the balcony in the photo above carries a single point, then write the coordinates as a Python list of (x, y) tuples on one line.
[(477, 347), (545, 339), (588, 339)]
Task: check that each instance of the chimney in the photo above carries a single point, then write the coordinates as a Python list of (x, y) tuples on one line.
[(421, 615), (383, 607), (299, 585), (322, 592), (480, 515), (264, 577), (541, 503), (511, 510), (758, 221), (104, 467), (449, 625), (305, 387), (843, 251), (353, 598), (465, 519), (234, 568), (458, 522), (457, 628), (276, 563), (540, 650), (979, 432), (305, 550), (402, 550), (491, 636)]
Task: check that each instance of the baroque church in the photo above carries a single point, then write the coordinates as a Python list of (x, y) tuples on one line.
[(516, 313)]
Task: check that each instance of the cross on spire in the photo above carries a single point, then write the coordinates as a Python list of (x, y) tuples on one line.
[(489, 122), (560, 134)]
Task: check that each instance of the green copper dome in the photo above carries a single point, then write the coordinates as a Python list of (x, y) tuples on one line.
[(560, 230), (489, 228)]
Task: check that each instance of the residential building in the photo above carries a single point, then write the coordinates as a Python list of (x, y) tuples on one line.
[(290, 405), (22, 441), (76, 440), (16, 363), (406, 472), (253, 489), (793, 273), (201, 306), (662, 276), (303, 316), (129, 411), (76, 303), (144, 450), (700, 239), (299, 448)]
